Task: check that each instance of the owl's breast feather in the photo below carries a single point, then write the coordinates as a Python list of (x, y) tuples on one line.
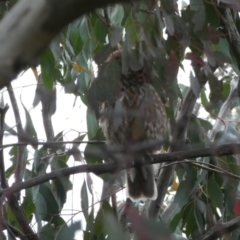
[(134, 118)]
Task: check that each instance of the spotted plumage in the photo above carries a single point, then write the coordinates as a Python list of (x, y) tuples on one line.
[(137, 116)]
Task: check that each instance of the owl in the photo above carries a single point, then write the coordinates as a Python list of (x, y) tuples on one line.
[(137, 116)]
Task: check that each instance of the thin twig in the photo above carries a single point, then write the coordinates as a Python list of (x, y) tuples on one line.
[(212, 168), (48, 144), (86, 209), (19, 162), (14, 231)]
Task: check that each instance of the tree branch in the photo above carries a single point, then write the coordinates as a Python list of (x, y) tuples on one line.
[(232, 33), (98, 169), (13, 198), (3, 112), (3, 180), (48, 144), (177, 141), (48, 100), (30, 26), (221, 229), (21, 217), (19, 161), (14, 231)]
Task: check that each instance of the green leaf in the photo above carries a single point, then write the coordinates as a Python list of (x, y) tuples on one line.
[(68, 232), (116, 36), (28, 204), (84, 200), (56, 49), (40, 166), (14, 155), (77, 42), (67, 78), (48, 232), (188, 219), (230, 198), (46, 205), (204, 99), (90, 157), (29, 127), (48, 70), (106, 86), (224, 48), (110, 71), (99, 220), (221, 57), (62, 186), (9, 172), (117, 14), (154, 229), (215, 193), (229, 135), (179, 237), (185, 188), (194, 4), (212, 15), (176, 220), (2, 104), (199, 18), (89, 47), (100, 31), (199, 220), (87, 235), (132, 34), (102, 236), (58, 221), (103, 53), (169, 6), (226, 88), (113, 229), (68, 82), (92, 124), (83, 29), (90, 224), (169, 23), (205, 124)]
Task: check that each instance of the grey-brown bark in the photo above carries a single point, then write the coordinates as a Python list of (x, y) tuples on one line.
[(30, 26)]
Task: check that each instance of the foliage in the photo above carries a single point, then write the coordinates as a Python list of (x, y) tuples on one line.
[(166, 37)]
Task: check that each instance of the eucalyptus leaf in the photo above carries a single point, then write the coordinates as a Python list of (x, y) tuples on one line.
[(29, 127), (84, 200)]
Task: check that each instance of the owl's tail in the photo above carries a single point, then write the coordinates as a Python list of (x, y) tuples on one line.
[(141, 184)]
